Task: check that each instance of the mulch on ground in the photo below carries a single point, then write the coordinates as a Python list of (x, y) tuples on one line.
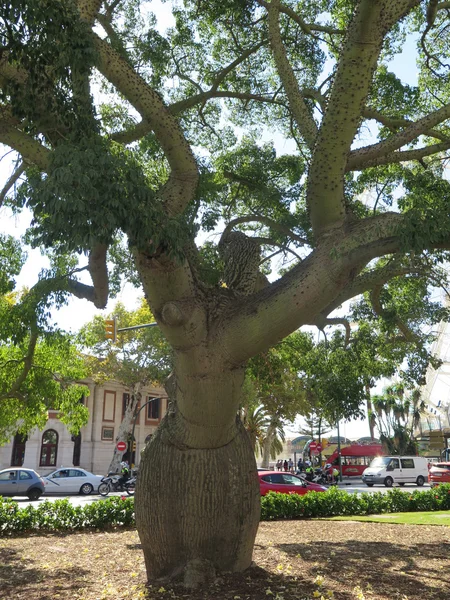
[(294, 560)]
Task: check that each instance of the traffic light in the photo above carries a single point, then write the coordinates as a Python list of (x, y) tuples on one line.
[(110, 329), (134, 446)]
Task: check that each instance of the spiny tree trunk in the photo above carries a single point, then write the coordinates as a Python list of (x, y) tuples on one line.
[(125, 428), (198, 499)]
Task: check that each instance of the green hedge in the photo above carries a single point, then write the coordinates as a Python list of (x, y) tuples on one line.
[(61, 515), (119, 511), (338, 502)]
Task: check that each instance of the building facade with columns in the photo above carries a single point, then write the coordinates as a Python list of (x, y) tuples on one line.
[(92, 449)]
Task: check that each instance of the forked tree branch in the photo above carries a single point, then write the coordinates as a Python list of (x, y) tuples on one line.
[(359, 158), (307, 28)]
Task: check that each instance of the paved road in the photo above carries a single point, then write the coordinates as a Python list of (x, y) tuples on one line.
[(75, 500), (353, 487)]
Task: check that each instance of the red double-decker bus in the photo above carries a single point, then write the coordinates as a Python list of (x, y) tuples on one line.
[(356, 458)]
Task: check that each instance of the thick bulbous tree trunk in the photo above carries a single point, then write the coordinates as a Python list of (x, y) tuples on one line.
[(197, 498)]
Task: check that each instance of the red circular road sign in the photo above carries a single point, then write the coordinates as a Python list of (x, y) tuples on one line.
[(313, 446), (319, 447), (121, 446)]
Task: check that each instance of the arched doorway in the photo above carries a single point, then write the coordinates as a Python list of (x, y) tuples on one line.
[(18, 451), (49, 448)]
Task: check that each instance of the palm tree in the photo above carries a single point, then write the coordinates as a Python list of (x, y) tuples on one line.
[(397, 416), (256, 423)]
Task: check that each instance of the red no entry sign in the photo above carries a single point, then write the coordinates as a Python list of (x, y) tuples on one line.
[(121, 446), (313, 446)]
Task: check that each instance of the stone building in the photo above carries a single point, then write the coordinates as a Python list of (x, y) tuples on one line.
[(92, 449)]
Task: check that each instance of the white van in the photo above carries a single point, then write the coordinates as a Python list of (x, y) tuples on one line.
[(390, 470)]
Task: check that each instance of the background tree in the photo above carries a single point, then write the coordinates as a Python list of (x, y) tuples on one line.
[(137, 358), (396, 416), (278, 390), (39, 364), (129, 177)]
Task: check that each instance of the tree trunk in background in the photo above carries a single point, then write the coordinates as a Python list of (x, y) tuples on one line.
[(198, 503), (267, 444), (369, 410), (125, 428)]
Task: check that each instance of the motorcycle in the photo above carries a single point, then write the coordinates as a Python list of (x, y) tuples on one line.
[(112, 483), (318, 477)]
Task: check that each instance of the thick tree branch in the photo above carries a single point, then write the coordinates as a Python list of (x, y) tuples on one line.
[(403, 156), (359, 158), (303, 118), (89, 9), (143, 128), (265, 221), (408, 335), (30, 149), (266, 317), (81, 290), (180, 188), (307, 28), (99, 274), (366, 281), (11, 181), (395, 123), (371, 21), (336, 321)]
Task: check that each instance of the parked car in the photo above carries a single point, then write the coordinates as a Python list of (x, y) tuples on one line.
[(439, 473), (387, 470), (286, 483), (71, 481), (21, 482)]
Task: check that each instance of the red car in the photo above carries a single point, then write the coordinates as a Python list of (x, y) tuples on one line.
[(286, 483), (439, 473)]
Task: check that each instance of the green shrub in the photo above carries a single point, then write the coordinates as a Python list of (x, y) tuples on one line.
[(61, 515), (337, 502), (116, 511)]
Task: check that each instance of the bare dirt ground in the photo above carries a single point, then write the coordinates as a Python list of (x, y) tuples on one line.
[(294, 560)]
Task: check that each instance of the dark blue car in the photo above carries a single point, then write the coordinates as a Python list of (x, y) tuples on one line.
[(16, 481)]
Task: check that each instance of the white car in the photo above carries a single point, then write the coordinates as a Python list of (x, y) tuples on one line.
[(71, 481)]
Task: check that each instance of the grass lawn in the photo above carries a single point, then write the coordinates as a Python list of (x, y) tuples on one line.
[(409, 518)]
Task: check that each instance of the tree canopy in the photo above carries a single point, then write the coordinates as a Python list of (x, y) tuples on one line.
[(278, 128)]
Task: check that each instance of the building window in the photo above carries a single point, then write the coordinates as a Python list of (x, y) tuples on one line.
[(18, 451), (109, 406), (153, 409), (49, 448), (108, 433)]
